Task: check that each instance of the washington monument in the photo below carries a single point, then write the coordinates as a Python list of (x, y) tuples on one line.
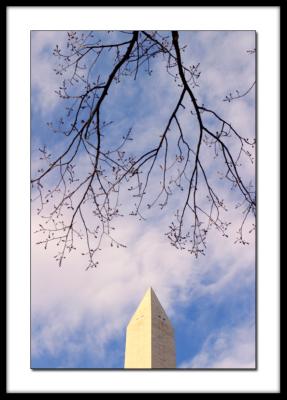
[(149, 336)]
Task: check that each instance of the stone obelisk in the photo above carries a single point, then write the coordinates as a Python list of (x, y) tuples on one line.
[(149, 336)]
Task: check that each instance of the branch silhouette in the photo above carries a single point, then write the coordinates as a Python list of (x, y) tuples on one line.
[(77, 206)]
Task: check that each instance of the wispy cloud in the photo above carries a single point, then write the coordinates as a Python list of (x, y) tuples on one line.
[(101, 301), (228, 348), (44, 81)]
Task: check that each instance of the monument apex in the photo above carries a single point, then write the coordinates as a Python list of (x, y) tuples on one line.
[(150, 336)]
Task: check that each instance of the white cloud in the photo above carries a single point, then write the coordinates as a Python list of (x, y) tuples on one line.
[(44, 81), (100, 302), (228, 348)]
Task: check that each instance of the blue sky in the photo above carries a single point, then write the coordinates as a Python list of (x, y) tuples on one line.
[(79, 317)]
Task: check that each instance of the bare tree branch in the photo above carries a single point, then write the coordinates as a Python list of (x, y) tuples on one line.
[(82, 206)]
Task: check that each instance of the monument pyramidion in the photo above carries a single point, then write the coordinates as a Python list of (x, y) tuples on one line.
[(150, 336)]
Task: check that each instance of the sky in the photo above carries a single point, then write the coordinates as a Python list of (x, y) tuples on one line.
[(79, 317)]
